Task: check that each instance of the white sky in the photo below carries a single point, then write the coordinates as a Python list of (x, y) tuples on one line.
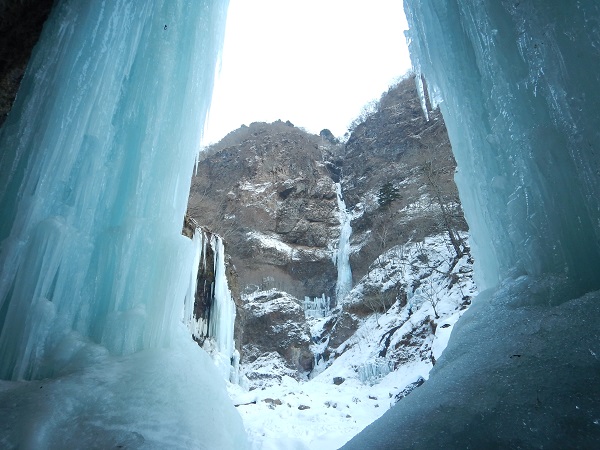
[(312, 62)]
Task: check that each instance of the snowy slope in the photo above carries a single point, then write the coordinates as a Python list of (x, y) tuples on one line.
[(386, 357)]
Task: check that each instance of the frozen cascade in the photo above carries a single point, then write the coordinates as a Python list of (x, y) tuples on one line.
[(317, 307), (519, 83), (97, 154), (220, 327), (213, 327), (197, 326), (342, 259), (374, 371)]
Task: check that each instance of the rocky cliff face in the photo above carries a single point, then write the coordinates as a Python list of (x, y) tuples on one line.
[(398, 171), (267, 190), (270, 191), (21, 23)]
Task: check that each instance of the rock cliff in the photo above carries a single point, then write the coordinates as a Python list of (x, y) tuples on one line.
[(398, 177), (270, 191), (267, 190)]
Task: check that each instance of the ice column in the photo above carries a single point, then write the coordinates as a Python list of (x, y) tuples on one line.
[(519, 83), (317, 307), (197, 325), (222, 319), (342, 259), (96, 161), (212, 321)]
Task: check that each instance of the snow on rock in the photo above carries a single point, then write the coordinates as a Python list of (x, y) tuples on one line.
[(285, 251), (275, 325), (396, 341)]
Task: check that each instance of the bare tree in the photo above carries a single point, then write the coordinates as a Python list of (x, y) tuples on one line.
[(447, 201)]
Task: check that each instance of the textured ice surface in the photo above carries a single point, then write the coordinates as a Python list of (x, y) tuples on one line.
[(317, 306), (519, 83), (222, 320), (219, 326), (520, 87), (154, 399), (95, 166), (342, 259)]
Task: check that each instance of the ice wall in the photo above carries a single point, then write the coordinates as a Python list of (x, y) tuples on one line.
[(97, 156), (520, 102), (198, 326), (519, 83), (95, 167), (222, 318), (342, 259)]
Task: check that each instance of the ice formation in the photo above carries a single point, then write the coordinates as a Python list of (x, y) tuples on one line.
[(342, 258), (218, 324), (317, 307), (97, 154), (373, 371), (519, 82)]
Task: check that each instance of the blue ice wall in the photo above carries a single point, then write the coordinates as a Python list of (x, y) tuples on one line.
[(97, 156), (519, 83)]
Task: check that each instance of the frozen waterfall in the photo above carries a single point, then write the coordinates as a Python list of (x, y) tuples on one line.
[(97, 156), (209, 310), (342, 258), (317, 307), (519, 83)]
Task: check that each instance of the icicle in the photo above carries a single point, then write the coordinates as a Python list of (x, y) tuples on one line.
[(421, 92), (222, 318), (317, 307), (190, 297)]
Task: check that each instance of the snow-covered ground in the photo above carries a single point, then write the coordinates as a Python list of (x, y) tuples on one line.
[(388, 355), (316, 414)]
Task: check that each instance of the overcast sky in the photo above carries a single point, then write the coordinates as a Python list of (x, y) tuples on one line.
[(312, 62)]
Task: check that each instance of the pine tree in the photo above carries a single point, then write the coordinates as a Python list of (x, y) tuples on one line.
[(387, 194)]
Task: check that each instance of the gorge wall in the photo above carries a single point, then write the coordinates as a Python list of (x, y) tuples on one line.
[(270, 191)]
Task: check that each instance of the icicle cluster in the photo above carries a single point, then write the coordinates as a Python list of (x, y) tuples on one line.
[(217, 322), (317, 307), (375, 370)]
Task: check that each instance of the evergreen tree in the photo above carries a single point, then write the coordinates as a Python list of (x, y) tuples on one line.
[(387, 194)]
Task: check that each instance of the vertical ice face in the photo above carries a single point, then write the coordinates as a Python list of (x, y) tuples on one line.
[(96, 159), (223, 314), (196, 326), (519, 82), (317, 306), (217, 323), (342, 260)]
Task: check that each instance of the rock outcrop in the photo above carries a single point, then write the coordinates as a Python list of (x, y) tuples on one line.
[(21, 23), (398, 176), (275, 323), (266, 189)]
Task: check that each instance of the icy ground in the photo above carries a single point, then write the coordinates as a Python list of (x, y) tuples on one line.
[(318, 414)]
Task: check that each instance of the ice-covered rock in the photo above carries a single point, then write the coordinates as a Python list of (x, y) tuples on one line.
[(275, 322)]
